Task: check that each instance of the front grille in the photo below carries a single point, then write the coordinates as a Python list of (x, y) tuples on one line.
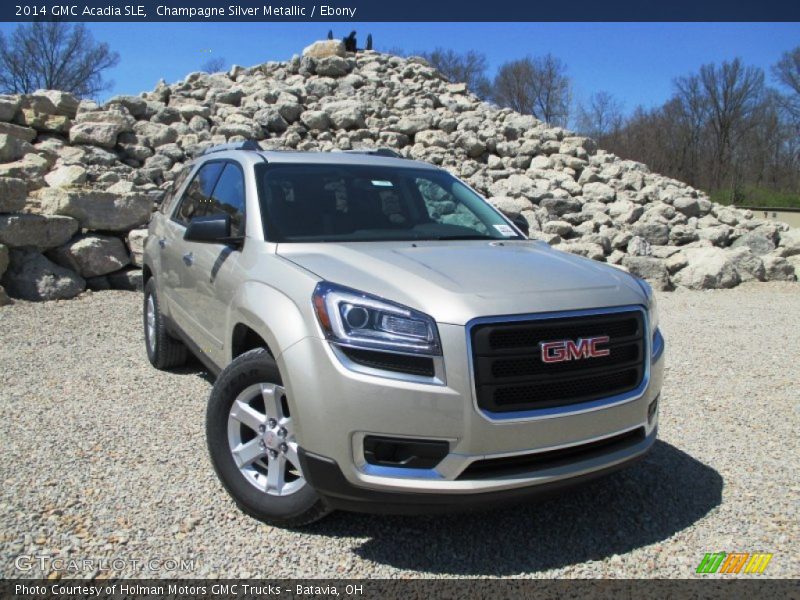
[(508, 466), (389, 361), (511, 376)]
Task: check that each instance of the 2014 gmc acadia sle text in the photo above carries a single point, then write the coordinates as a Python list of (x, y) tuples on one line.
[(384, 340)]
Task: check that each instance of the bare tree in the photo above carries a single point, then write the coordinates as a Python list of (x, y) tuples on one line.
[(787, 70), (689, 111), (469, 68), (787, 73), (54, 55), (214, 65), (535, 85), (723, 131), (733, 92), (601, 117)]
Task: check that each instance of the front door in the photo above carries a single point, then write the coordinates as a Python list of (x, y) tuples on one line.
[(215, 270), (182, 266)]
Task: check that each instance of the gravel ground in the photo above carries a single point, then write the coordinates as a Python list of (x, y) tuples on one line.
[(104, 457)]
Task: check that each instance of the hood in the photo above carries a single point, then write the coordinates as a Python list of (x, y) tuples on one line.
[(455, 281)]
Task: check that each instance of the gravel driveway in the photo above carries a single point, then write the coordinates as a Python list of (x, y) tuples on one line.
[(103, 456)]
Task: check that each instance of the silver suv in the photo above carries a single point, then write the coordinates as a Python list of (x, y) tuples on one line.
[(385, 340)]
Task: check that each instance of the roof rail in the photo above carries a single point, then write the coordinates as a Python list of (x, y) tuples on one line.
[(245, 145), (376, 152)]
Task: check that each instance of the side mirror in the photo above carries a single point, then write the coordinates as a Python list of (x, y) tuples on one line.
[(522, 224), (213, 229)]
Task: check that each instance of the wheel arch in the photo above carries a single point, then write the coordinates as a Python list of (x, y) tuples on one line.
[(264, 317)]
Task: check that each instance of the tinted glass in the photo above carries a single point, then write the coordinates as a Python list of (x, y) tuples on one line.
[(308, 203), (198, 194), (167, 204), (228, 198)]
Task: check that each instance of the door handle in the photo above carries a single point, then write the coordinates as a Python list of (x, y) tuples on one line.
[(162, 242), (188, 258)]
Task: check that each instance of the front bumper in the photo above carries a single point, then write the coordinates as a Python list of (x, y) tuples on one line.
[(327, 478), (339, 407)]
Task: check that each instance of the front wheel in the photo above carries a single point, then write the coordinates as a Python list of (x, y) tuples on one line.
[(252, 444)]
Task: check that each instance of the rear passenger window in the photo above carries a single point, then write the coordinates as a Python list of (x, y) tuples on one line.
[(198, 194), (228, 198)]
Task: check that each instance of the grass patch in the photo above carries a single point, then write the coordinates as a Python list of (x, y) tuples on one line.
[(758, 197)]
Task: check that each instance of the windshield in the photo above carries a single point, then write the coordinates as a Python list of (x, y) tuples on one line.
[(349, 203)]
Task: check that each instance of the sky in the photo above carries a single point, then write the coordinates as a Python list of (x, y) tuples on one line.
[(635, 62)]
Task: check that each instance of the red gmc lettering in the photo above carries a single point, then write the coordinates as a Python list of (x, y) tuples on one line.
[(563, 350)]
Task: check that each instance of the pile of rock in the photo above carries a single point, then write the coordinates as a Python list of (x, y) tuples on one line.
[(78, 180)]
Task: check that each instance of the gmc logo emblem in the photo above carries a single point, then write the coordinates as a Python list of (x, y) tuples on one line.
[(563, 350)]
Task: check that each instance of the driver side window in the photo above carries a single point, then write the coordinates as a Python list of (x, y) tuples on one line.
[(197, 196)]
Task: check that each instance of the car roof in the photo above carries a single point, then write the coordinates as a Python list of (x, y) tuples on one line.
[(342, 158), (366, 157)]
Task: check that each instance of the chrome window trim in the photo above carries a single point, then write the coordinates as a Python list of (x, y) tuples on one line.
[(570, 409)]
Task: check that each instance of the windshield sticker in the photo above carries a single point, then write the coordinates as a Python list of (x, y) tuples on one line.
[(382, 183), (505, 230)]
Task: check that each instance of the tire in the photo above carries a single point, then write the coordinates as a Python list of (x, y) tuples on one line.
[(250, 437), (163, 350)]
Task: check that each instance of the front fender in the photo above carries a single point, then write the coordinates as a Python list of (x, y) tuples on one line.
[(274, 316)]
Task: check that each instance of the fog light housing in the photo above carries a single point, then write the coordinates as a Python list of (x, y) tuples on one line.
[(404, 453)]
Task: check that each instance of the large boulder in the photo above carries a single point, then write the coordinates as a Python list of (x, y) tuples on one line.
[(599, 191), (37, 231), (654, 232), (91, 255), (790, 241), (66, 176), (518, 185), (97, 210), (749, 266), (96, 134), (707, 268), (9, 105), (12, 148), (127, 279), (560, 206), (325, 48), (510, 207), (777, 268), (347, 114), (155, 134), (410, 125), (55, 102), (31, 276), (758, 243), (687, 205), (653, 270), (13, 193), (332, 66), (44, 123), (316, 119), (26, 134), (136, 240)]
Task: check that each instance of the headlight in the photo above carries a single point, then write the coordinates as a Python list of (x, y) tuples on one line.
[(353, 318)]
